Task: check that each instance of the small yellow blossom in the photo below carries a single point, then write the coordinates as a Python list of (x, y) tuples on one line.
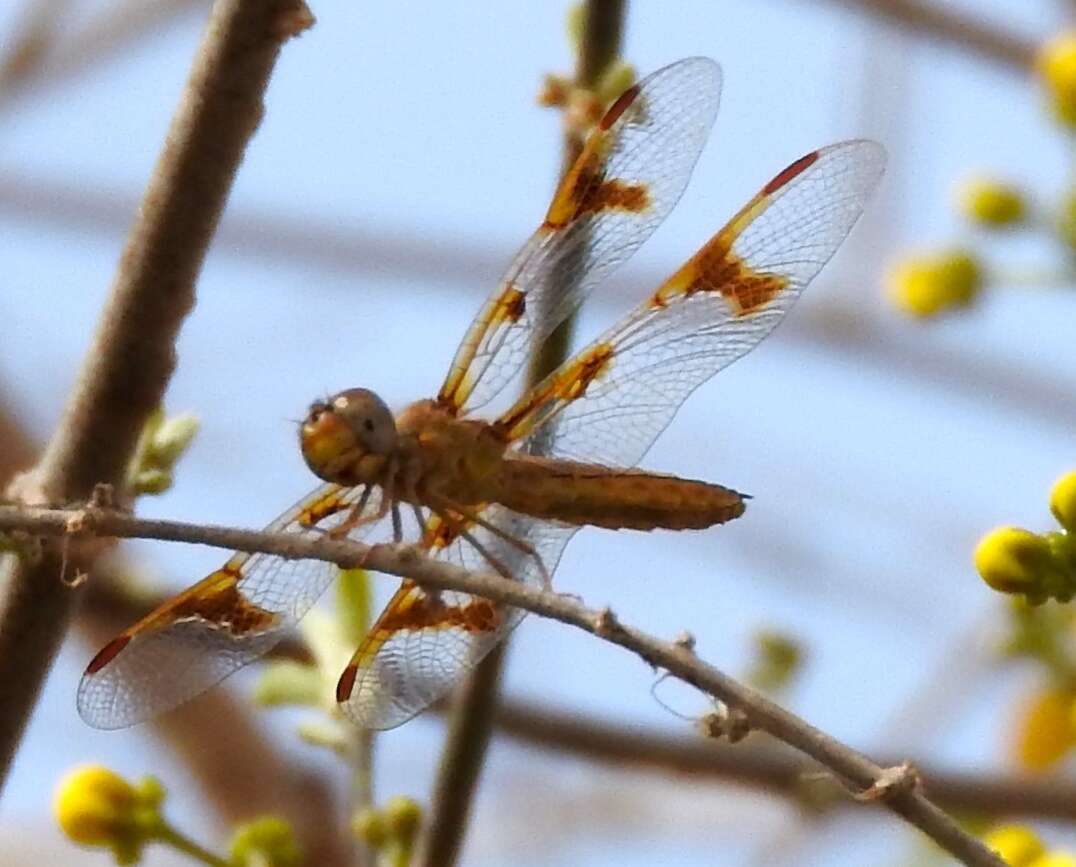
[(991, 203), (1063, 501), (266, 842), (1012, 560), (403, 816), (1054, 859), (1066, 218), (923, 286), (778, 658), (1017, 845), (1044, 732), (368, 825), (96, 807), (1056, 66)]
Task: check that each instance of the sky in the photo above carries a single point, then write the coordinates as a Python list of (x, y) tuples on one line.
[(401, 161)]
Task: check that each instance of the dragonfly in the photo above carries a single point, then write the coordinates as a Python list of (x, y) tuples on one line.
[(508, 493)]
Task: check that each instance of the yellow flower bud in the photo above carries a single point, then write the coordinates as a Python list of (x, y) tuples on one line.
[(403, 816), (1044, 733), (267, 842), (369, 826), (923, 286), (1017, 845), (991, 203), (1054, 859), (1056, 66), (1063, 501), (1012, 560), (96, 807), (93, 805)]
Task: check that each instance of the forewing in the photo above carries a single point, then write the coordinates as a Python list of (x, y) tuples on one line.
[(609, 403), (424, 643), (224, 622), (632, 171)]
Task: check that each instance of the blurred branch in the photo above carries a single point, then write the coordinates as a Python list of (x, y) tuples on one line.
[(132, 355), (475, 701), (17, 449), (29, 44), (122, 25), (767, 769), (951, 28), (897, 788)]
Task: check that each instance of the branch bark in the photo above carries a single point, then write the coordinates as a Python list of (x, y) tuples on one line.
[(951, 28), (474, 703), (896, 789), (767, 769), (132, 355)]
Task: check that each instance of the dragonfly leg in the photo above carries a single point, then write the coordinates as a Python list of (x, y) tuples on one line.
[(356, 518), (459, 528), (517, 543)]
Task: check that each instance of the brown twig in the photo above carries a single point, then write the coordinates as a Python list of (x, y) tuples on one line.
[(854, 769), (106, 36), (951, 28), (132, 356), (33, 35), (475, 701), (767, 769)]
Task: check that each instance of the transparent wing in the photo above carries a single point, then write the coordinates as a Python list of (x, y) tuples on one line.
[(632, 171), (609, 403), (424, 643), (222, 623)]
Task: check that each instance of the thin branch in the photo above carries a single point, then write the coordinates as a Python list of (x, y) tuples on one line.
[(28, 45), (474, 703), (767, 769), (897, 788), (951, 28), (132, 355), (114, 30)]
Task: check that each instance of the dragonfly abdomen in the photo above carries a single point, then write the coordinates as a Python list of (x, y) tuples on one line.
[(578, 493)]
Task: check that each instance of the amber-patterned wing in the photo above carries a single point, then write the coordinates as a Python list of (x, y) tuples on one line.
[(632, 171), (224, 622), (424, 642), (609, 403)]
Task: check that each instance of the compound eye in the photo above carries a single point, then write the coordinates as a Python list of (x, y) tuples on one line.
[(369, 419)]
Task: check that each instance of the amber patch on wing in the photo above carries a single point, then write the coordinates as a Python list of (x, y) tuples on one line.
[(438, 533), (571, 383), (421, 610), (586, 189), (316, 512), (414, 610), (584, 369), (716, 269), (218, 600), (510, 306)]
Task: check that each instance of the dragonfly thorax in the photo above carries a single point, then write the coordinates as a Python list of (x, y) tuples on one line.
[(350, 431)]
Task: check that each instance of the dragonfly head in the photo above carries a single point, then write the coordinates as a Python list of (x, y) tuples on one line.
[(339, 433)]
